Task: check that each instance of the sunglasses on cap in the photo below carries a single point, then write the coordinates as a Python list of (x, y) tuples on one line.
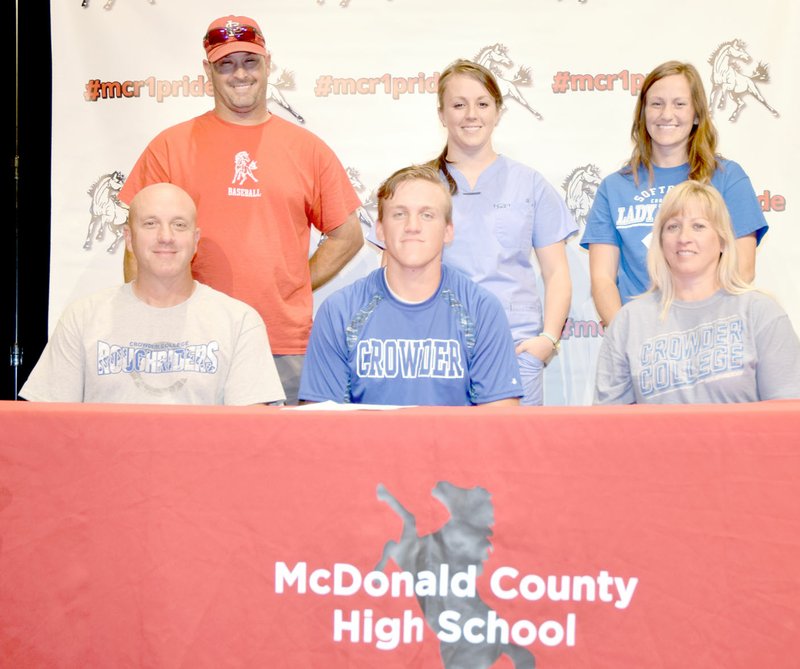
[(240, 33)]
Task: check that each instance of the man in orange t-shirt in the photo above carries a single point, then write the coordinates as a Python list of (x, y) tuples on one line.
[(260, 183)]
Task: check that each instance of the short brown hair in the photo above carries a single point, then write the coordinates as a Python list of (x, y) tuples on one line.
[(425, 172)]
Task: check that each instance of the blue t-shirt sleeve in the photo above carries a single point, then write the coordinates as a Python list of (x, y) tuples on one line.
[(600, 225), (740, 197), (494, 371), (326, 373)]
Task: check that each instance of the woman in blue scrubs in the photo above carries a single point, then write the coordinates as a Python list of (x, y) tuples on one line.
[(504, 212)]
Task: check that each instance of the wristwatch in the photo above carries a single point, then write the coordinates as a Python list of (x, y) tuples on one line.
[(553, 340)]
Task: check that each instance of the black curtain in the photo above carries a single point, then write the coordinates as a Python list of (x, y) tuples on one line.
[(26, 244)]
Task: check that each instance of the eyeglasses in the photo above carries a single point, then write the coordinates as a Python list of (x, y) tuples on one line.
[(240, 33)]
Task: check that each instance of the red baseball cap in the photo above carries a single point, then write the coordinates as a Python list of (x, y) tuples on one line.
[(228, 34)]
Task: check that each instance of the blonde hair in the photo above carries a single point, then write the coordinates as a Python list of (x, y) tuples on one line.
[(702, 147), (426, 172), (486, 79), (713, 207)]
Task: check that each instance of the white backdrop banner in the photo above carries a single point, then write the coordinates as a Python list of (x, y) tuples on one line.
[(362, 74)]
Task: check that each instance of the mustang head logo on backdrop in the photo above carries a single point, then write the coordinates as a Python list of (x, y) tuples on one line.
[(495, 58), (342, 3), (580, 187), (368, 206), (286, 82), (729, 81), (107, 212)]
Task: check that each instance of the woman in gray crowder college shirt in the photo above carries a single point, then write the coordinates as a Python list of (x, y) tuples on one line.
[(701, 334)]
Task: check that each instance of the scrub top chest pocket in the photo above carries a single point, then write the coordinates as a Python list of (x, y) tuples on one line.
[(513, 224)]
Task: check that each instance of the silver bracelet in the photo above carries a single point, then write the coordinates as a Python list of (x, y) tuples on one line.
[(553, 340)]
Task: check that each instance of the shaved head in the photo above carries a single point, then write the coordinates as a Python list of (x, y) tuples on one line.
[(163, 196)]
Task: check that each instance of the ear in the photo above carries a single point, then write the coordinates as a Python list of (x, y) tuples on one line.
[(126, 233), (441, 117), (449, 232), (379, 231)]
